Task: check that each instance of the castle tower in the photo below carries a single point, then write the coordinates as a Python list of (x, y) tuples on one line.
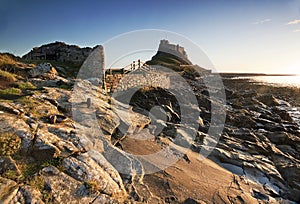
[(173, 49)]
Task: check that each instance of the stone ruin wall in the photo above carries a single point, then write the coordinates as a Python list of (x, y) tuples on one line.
[(60, 52), (120, 82)]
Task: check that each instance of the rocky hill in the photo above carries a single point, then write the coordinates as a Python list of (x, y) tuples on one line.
[(64, 140), (67, 58), (175, 57), (59, 51)]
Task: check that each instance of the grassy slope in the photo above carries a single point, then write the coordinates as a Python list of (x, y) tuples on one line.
[(167, 60), (70, 69)]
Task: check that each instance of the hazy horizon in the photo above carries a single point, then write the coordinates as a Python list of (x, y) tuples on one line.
[(237, 36)]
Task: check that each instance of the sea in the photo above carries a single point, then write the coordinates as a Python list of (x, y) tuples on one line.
[(277, 80)]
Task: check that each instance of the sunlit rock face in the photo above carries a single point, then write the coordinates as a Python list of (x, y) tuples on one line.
[(66, 140)]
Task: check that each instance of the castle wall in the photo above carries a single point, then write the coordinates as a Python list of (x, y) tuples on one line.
[(173, 49)]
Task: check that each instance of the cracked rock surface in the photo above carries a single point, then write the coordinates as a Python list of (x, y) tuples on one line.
[(99, 150)]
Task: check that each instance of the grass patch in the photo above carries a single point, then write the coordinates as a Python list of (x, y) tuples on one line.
[(30, 105), (26, 86), (11, 64), (10, 144), (28, 102), (37, 182), (9, 77), (65, 86), (8, 63), (11, 174), (6, 100), (92, 186), (28, 170), (11, 91), (189, 70)]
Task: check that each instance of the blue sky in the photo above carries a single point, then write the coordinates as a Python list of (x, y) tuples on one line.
[(238, 36)]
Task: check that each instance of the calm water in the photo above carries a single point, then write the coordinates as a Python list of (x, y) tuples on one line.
[(277, 80)]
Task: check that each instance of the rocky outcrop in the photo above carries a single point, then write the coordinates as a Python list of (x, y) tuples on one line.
[(260, 141), (45, 70), (8, 189), (58, 51), (87, 175), (72, 143)]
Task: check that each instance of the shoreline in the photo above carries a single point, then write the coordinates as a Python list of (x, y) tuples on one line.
[(283, 92), (225, 74)]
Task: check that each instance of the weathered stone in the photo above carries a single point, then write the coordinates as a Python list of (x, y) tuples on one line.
[(8, 164), (12, 124), (27, 194), (268, 100), (44, 70), (284, 115), (132, 122), (63, 188), (42, 151), (50, 143), (105, 199), (6, 107), (8, 189), (86, 169)]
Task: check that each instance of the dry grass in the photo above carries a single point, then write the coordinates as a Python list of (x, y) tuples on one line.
[(30, 105), (10, 144), (8, 77), (26, 86), (5, 59), (11, 91), (92, 186), (189, 70), (11, 64), (7, 63)]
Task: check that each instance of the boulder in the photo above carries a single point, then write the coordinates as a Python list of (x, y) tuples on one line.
[(8, 107), (63, 188), (8, 189), (278, 137), (85, 169), (43, 70), (7, 164), (28, 194), (268, 100), (284, 115), (10, 123)]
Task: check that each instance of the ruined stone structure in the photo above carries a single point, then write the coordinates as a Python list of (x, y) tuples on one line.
[(173, 49), (59, 51), (122, 82), (136, 74)]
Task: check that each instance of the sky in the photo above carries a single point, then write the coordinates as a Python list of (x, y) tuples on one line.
[(261, 36)]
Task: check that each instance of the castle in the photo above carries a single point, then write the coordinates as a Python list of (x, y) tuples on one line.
[(173, 49)]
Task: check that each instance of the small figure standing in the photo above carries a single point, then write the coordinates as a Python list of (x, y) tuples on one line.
[(88, 102), (52, 119)]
